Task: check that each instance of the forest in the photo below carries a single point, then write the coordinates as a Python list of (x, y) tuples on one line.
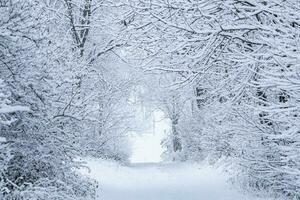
[(74, 75)]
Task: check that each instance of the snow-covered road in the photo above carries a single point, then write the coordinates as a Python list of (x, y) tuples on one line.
[(155, 181)]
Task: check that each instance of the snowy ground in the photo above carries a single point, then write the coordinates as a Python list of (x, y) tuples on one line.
[(149, 179), (157, 181)]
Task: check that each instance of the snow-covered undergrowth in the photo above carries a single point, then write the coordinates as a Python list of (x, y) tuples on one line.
[(162, 181)]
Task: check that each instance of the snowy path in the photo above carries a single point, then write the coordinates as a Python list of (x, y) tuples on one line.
[(162, 182)]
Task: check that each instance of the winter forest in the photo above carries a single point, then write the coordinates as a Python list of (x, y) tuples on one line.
[(149, 99)]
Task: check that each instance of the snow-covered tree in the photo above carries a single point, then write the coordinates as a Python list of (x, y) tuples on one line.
[(242, 60), (65, 91)]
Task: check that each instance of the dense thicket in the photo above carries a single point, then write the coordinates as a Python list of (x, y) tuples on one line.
[(242, 60), (59, 98)]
